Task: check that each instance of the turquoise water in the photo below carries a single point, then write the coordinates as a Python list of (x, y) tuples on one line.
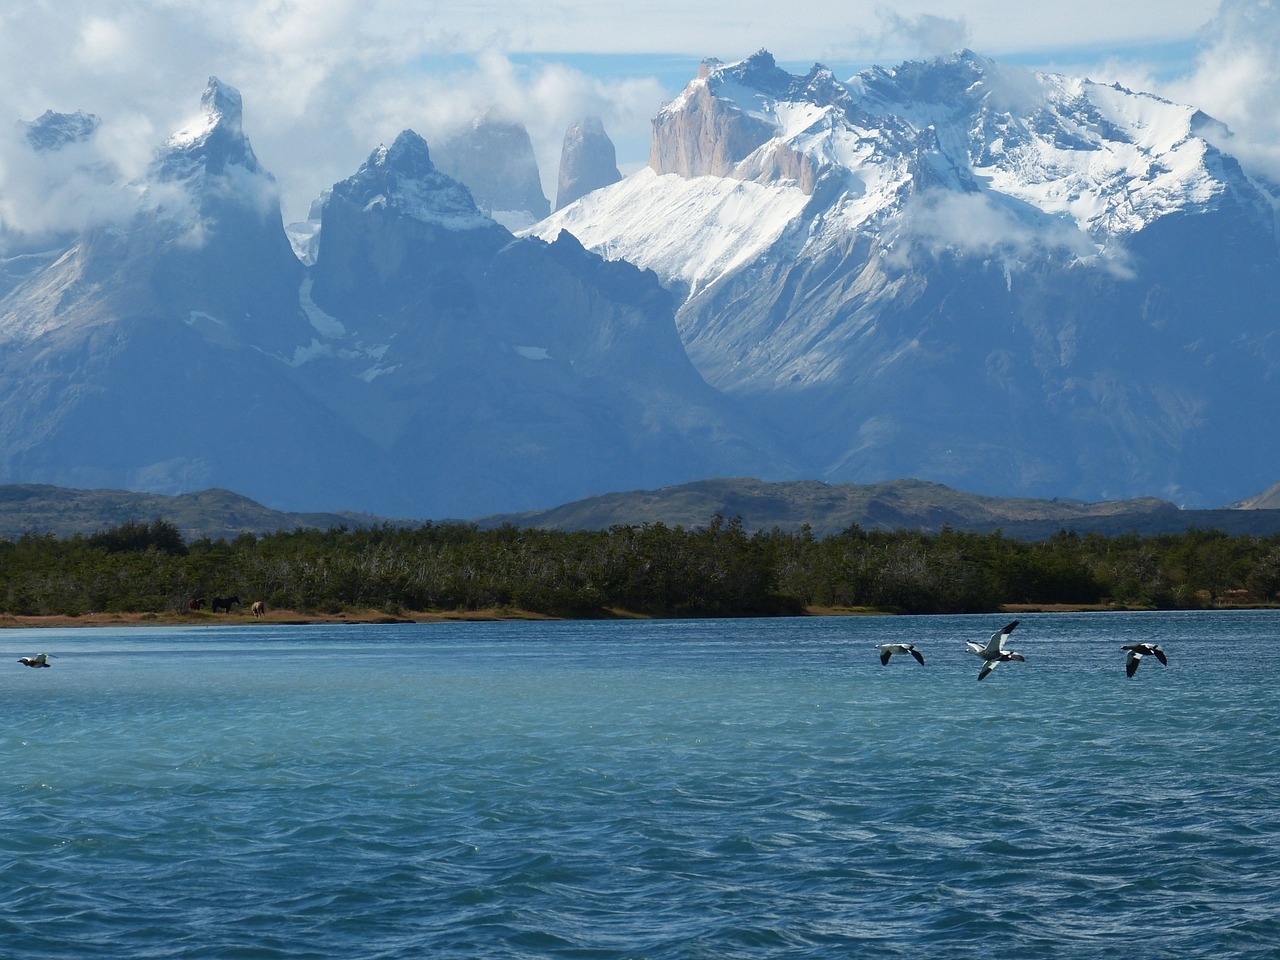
[(655, 789)]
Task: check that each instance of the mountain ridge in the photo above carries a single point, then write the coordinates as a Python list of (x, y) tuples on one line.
[(41, 509), (906, 504), (827, 509)]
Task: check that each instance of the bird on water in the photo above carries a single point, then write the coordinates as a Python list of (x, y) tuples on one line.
[(993, 653)]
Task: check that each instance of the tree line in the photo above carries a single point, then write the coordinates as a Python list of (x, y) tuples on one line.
[(651, 569)]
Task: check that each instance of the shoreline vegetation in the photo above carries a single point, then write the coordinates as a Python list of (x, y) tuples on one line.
[(297, 618), (146, 574)]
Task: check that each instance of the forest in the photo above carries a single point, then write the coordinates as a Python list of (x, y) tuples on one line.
[(719, 570)]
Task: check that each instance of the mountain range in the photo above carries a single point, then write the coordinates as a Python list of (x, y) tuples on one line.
[(996, 279)]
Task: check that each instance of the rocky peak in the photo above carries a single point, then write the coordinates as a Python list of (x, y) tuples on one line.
[(495, 159), (53, 131), (213, 140), (402, 179), (723, 118), (588, 161)]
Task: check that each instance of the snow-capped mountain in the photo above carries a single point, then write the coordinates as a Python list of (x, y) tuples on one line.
[(999, 279), (1009, 282), (497, 368), (149, 355), (427, 364)]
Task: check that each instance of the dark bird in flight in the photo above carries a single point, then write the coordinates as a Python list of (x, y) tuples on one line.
[(1139, 650)]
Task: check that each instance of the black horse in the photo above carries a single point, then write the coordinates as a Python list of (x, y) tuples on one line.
[(225, 603)]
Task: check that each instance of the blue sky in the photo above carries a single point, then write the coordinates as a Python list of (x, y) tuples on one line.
[(325, 81)]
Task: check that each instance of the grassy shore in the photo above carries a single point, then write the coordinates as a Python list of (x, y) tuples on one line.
[(272, 616), (202, 618)]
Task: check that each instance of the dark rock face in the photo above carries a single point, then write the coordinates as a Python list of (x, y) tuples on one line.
[(588, 161), (495, 160), (513, 369)]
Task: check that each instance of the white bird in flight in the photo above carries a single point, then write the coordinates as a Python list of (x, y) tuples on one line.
[(39, 660), (887, 650), (1139, 650), (994, 653)]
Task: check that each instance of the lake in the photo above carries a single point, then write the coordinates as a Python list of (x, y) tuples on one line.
[(644, 789)]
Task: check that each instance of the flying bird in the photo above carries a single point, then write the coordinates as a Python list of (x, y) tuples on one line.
[(39, 660), (887, 650), (994, 653), (1139, 650)]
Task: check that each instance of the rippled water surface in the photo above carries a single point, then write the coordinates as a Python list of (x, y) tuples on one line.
[(643, 789)]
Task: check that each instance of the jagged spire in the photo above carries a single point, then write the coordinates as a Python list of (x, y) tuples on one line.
[(215, 138)]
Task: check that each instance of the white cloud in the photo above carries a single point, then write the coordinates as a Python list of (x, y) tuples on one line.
[(927, 35), (51, 192), (937, 222), (1237, 80)]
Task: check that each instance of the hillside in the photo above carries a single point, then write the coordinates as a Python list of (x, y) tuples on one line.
[(826, 508), (1268, 499), (42, 508), (893, 505)]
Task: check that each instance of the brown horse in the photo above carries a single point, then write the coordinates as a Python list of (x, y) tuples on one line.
[(259, 609), (225, 603)]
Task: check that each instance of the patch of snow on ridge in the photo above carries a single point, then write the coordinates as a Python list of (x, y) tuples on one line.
[(431, 203), (195, 131), (324, 324), (1141, 162), (1112, 160), (312, 351), (304, 238), (513, 220), (692, 230), (371, 374)]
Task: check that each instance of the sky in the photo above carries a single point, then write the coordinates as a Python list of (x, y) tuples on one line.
[(325, 81)]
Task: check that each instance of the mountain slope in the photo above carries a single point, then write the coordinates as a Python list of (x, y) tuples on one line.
[(1002, 280), (44, 509)]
